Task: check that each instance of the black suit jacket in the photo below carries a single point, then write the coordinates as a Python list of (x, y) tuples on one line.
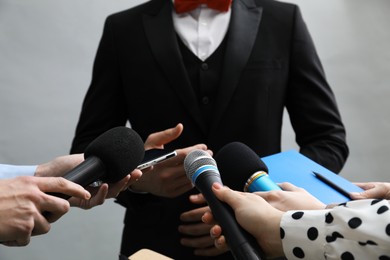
[(270, 63)]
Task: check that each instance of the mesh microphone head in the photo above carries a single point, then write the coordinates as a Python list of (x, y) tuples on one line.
[(194, 160), (236, 163), (120, 149)]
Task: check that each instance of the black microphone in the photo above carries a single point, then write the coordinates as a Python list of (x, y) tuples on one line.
[(242, 169), (108, 158), (202, 170)]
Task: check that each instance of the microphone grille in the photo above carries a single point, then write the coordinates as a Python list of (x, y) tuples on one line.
[(237, 162), (120, 149), (195, 159)]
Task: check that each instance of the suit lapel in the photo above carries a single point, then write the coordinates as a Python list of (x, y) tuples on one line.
[(163, 41), (242, 33)]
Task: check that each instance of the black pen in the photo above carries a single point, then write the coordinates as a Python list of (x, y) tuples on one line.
[(332, 184)]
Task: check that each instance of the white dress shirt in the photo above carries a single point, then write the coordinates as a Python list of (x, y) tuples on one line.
[(202, 30)]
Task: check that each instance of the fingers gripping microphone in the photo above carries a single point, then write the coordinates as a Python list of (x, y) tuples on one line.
[(202, 170), (243, 170), (109, 158)]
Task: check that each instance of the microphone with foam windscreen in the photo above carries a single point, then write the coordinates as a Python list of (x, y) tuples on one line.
[(202, 170), (109, 158), (242, 169)]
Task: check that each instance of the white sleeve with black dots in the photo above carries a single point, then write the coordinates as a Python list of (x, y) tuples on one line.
[(354, 230)]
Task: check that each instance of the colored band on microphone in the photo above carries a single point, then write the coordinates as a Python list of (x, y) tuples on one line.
[(202, 169), (260, 181), (253, 178)]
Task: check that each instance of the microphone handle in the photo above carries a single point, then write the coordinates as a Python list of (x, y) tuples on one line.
[(87, 172), (242, 245)]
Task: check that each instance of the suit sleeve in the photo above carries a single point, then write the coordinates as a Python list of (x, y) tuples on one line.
[(104, 105), (311, 104)]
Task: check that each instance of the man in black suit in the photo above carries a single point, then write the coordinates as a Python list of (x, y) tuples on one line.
[(226, 76)]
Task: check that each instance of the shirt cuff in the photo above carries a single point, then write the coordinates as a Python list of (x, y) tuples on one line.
[(8, 171)]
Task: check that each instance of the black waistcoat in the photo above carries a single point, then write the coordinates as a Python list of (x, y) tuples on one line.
[(204, 77)]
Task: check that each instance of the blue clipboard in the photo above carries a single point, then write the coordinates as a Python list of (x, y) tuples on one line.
[(291, 166)]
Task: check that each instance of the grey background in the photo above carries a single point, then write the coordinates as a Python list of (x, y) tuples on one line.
[(47, 49)]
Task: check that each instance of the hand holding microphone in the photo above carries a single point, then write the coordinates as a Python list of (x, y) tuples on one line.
[(254, 214), (109, 158), (202, 170), (243, 170)]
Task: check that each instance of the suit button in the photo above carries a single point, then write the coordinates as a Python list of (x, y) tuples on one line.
[(205, 100), (205, 66)]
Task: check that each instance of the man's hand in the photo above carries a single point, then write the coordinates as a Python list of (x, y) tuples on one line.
[(63, 164), (197, 233), (168, 178), (24, 199), (59, 166), (105, 191)]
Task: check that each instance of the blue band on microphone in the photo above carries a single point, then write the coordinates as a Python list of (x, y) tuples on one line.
[(260, 181), (202, 169)]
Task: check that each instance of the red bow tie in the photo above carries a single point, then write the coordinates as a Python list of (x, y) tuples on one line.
[(183, 6)]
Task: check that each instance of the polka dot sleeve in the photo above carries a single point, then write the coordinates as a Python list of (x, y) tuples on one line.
[(353, 230)]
